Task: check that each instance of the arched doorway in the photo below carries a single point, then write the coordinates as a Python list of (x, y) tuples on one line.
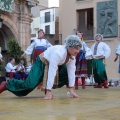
[(5, 35)]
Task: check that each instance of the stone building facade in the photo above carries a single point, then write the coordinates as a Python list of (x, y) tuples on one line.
[(91, 17), (16, 23)]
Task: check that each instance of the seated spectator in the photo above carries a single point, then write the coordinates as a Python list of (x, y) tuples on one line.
[(11, 68), (20, 73)]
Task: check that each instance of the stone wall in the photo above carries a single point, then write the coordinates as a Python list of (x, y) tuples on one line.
[(16, 25)]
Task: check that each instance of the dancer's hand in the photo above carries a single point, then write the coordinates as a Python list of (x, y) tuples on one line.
[(73, 94), (49, 95)]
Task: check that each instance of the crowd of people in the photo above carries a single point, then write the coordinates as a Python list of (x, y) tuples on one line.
[(59, 65), (16, 71)]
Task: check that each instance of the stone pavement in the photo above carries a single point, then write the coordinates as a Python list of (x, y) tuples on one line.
[(94, 104)]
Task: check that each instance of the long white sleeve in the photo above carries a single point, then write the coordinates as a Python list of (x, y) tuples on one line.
[(29, 50), (53, 66), (107, 50), (48, 44), (71, 72)]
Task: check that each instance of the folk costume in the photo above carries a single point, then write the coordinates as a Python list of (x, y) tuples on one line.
[(10, 70), (40, 46), (55, 57), (100, 51), (20, 73), (81, 66)]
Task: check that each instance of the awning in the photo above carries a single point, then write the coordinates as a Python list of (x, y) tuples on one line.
[(6, 5)]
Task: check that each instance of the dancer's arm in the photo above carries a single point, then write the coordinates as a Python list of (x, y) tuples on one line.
[(29, 50), (71, 77)]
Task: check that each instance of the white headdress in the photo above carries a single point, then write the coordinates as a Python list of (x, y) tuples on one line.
[(72, 41), (99, 35)]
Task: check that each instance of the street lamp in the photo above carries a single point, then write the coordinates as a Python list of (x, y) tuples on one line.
[(1, 21)]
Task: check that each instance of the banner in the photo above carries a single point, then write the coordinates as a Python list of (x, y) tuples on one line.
[(6, 5)]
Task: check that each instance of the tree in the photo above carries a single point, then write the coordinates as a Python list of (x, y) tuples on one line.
[(14, 51)]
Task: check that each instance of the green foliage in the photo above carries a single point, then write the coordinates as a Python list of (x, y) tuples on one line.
[(14, 51)]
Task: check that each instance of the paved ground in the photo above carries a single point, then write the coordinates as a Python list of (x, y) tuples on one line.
[(94, 104)]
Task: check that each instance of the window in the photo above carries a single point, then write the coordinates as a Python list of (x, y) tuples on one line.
[(47, 17), (47, 29), (85, 23)]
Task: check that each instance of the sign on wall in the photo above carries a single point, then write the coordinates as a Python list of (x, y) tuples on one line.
[(6, 5)]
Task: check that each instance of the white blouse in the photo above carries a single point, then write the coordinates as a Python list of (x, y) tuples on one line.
[(56, 56), (20, 67), (118, 49), (37, 42), (84, 45), (10, 68), (102, 50)]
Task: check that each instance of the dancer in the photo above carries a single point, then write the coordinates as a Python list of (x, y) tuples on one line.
[(61, 57), (40, 44), (81, 63), (11, 68), (20, 72), (100, 51)]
